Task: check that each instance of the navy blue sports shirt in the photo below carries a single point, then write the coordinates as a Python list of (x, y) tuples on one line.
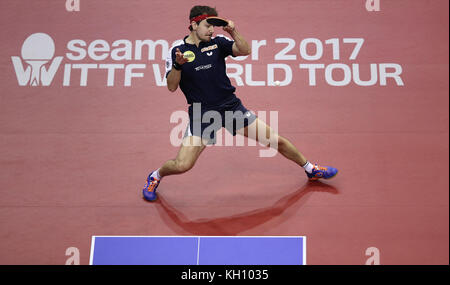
[(203, 77)]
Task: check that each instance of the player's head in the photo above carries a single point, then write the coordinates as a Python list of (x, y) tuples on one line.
[(199, 26)]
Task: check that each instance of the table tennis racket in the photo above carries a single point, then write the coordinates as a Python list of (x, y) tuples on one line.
[(217, 21)]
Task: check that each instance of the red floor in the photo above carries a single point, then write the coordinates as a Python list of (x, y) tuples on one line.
[(74, 159)]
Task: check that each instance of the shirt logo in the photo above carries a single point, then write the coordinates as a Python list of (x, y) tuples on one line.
[(209, 48), (189, 55), (208, 66), (209, 53)]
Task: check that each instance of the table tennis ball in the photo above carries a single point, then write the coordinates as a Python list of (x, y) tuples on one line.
[(277, 83)]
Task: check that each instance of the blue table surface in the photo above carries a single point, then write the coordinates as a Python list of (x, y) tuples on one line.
[(179, 250)]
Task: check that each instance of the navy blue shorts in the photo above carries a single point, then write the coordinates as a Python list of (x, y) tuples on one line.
[(206, 122)]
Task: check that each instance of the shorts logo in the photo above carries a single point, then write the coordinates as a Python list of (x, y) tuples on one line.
[(209, 48), (189, 55)]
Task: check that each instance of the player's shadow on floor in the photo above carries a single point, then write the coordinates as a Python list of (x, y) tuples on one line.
[(236, 224)]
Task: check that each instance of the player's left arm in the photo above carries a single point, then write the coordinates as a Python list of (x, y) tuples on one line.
[(240, 45)]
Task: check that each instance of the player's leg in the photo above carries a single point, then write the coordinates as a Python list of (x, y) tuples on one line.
[(188, 154), (264, 134), (190, 150)]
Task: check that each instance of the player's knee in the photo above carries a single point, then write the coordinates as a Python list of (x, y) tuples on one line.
[(275, 141), (183, 166)]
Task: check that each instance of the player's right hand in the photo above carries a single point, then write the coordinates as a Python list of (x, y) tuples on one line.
[(180, 59)]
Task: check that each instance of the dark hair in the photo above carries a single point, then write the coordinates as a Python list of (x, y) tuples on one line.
[(201, 10)]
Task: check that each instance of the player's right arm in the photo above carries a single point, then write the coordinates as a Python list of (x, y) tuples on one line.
[(174, 76)]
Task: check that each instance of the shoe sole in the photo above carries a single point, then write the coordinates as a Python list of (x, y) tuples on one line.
[(318, 178)]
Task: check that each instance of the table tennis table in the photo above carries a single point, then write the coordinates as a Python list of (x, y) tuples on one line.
[(198, 250)]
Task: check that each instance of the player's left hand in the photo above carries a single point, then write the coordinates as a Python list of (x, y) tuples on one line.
[(230, 27)]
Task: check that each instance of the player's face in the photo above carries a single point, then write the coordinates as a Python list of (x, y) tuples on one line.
[(205, 31)]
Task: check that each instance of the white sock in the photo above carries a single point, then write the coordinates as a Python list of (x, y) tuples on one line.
[(308, 167), (156, 175)]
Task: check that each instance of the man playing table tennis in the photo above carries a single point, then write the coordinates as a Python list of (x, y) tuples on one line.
[(197, 65)]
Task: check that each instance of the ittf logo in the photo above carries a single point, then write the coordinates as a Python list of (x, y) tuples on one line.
[(37, 50)]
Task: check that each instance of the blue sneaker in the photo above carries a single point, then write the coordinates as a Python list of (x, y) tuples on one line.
[(149, 190), (318, 172)]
